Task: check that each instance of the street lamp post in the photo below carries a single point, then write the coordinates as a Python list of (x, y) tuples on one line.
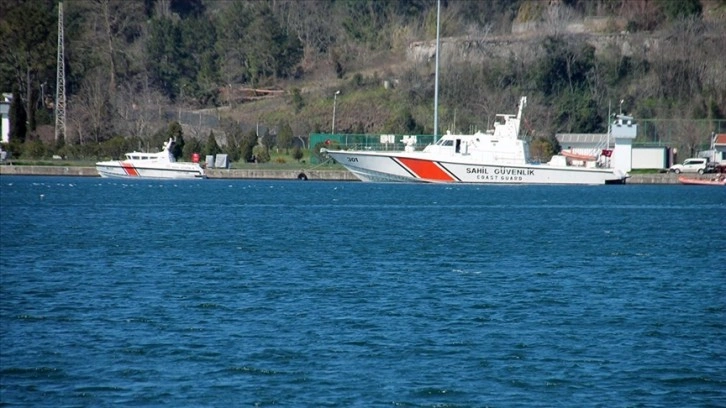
[(42, 95), (335, 100)]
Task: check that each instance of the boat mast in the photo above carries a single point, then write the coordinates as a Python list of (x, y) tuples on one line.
[(436, 80)]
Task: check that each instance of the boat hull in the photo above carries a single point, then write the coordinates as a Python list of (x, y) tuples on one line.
[(702, 182), (417, 167), (172, 171)]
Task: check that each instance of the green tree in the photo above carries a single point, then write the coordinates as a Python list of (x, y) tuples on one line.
[(297, 100), (254, 45), (211, 147), (541, 149), (402, 121), (192, 146), (18, 118), (284, 137), (115, 147), (565, 66), (164, 55), (35, 149), (199, 74), (577, 112), (674, 10), (239, 144), (297, 153), (364, 22), (232, 147), (176, 133), (261, 153), (28, 40), (248, 143), (110, 30)]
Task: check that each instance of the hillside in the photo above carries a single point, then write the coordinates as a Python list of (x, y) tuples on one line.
[(370, 90)]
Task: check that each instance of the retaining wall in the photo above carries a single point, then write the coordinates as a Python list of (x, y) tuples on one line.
[(328, 175)]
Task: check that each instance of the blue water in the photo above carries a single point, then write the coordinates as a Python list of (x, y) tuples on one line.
[(257, 293)]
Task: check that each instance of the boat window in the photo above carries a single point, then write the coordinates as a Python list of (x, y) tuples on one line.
[(448, 143)]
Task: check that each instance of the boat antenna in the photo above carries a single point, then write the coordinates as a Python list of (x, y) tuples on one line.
[(436, 80)]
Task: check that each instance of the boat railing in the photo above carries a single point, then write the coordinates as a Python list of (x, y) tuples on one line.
[(368, 141)]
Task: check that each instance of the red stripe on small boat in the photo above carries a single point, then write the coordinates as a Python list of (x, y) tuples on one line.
[(130, 169), (426, 169)]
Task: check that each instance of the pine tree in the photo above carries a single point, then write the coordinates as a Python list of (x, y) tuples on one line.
[(176, 133), (211, 147)]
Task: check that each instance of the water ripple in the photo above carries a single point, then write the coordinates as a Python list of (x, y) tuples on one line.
[(244, 293)]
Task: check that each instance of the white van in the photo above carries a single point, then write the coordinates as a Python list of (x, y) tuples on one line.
[(694, 165)]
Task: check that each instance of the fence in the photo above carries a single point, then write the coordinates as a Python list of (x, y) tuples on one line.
[(687, 135), (678, 133), (364, 142)]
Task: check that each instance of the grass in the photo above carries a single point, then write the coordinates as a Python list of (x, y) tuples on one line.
[(56, 163)]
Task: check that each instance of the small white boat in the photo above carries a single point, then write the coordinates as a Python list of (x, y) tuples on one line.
[(161, 165), (497, 156)]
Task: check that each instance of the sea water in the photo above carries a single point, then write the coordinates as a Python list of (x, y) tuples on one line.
[(290, 293)]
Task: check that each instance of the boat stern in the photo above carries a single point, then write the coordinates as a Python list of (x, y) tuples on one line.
[(619, 177)]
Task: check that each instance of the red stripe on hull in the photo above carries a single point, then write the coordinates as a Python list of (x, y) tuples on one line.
[(130, 169), (426, 169)]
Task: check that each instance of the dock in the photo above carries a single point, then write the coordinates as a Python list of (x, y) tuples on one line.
[(268, 174)]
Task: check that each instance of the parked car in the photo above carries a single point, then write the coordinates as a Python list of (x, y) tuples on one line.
[(714, 167), (694, 165)]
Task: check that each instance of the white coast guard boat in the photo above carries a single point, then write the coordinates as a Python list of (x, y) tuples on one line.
[(493, 157), (161, 165)]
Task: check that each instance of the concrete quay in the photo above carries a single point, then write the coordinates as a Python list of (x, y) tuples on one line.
[(73, 171), (327, 175), (264, 174)]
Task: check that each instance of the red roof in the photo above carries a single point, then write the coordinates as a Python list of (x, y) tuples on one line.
[(720, 139)]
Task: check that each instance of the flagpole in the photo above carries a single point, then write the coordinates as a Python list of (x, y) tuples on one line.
[(436, 80)]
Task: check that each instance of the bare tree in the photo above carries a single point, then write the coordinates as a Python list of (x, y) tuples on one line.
[(303, 19), (111, 28), (137, 108), (92, 108), (557, 17), (689, 134)]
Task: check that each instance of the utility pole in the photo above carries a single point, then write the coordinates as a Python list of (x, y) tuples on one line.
[(60, 88), (335, 100), (436, 78)]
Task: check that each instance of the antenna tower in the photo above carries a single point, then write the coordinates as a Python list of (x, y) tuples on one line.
[(60, 88)]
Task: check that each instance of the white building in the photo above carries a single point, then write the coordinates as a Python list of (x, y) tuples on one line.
[(717, 152), (623, 130), (620, 143), (5, 118)]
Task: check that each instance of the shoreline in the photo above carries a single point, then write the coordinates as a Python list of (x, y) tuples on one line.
[(264, 174)]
